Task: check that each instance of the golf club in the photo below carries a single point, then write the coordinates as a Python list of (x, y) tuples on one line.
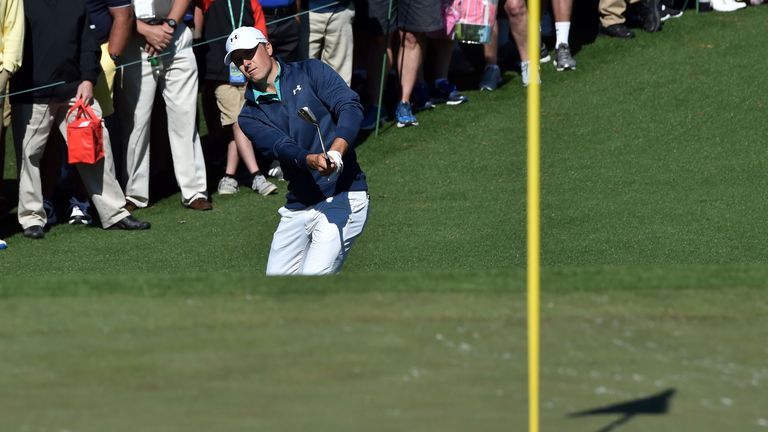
[(308, 116)]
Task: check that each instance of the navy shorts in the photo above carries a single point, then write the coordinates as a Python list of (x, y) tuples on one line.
[(417, 16)]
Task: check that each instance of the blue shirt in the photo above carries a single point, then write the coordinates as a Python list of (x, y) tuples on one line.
[(276, 3), (101, 19)]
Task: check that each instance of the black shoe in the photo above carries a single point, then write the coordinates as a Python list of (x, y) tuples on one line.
[(34, 232), (651, 15), (618, 31), (130, 223)]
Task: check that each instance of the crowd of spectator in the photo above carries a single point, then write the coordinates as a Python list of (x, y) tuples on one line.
[(133, 62)]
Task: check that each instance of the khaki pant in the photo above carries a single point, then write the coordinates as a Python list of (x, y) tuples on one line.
[(32, 123), (330, 39), (176, 79), (612, 11)]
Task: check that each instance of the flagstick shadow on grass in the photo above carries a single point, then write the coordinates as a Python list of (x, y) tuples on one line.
[(653, 405)]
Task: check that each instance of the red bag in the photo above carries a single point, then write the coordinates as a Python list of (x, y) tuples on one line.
[(85, 137)]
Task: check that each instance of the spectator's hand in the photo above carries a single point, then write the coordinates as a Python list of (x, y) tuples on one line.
[(150, 50), (318, 162), (4, 77), (85, 92), (158, 36)]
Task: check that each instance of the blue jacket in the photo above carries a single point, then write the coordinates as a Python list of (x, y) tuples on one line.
[(276, 130)]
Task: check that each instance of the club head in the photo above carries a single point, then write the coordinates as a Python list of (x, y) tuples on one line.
[(307, 115)]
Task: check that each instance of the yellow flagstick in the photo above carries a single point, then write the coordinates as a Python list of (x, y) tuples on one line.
[(534, 221)]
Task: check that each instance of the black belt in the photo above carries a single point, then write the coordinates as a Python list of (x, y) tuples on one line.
[(279, 11)]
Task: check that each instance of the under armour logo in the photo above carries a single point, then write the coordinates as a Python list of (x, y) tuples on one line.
[(297, 89)]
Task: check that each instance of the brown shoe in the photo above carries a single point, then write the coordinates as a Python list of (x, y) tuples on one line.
[(130, 206), (200, 204)]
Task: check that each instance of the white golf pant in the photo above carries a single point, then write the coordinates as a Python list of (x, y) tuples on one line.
[(316, 240)]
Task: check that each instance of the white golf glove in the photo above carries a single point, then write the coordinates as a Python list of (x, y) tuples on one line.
[(335, 157)]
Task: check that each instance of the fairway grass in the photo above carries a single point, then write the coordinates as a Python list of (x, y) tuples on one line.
[(379, 361)]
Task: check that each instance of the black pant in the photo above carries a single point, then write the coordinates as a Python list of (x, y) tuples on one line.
[(284, 36)]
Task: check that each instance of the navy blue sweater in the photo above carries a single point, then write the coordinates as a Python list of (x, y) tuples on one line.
[(276, 130)]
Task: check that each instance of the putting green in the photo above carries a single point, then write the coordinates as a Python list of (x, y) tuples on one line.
[(379, 361)]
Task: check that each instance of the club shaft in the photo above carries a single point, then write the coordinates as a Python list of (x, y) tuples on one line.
[(322, 144)]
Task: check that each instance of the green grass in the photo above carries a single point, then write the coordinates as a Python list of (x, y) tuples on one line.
[(651, 158), (379, 361), (654, 272)]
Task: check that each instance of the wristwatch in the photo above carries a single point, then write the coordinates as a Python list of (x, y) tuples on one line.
[(171, 22), (115, 58)]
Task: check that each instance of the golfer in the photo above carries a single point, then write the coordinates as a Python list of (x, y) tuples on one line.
[(327, 200)]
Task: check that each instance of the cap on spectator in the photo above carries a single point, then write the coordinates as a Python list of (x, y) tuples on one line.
[(243, 38)]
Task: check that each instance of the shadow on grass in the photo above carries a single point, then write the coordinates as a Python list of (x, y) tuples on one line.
[(653, 405)]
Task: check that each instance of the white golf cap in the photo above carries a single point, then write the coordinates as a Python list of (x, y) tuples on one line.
[(243, 38)]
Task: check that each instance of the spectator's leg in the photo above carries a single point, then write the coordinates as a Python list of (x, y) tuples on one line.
[(179, 89), (375, 57), (443, 53), (244, 148), (379, 24), (611, 12), (229, 101), (563, 58), (409, 61), (492, 73), (518, 24), (99, 178), (232, 159), (284, 37), (31, 126), (5, 117), (491, 49), (318, 23), (562, 11), (339, 42), (134, 96)]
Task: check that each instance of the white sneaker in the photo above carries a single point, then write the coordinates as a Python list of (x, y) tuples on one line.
[(228, 186), (727, 5), (77, 217), (524, 66), (275, 171), (263, 186)]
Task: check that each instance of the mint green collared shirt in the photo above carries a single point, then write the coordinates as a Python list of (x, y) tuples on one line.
[(260, 96)]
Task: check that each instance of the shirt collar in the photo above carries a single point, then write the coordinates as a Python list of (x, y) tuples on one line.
[(260, 96)]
